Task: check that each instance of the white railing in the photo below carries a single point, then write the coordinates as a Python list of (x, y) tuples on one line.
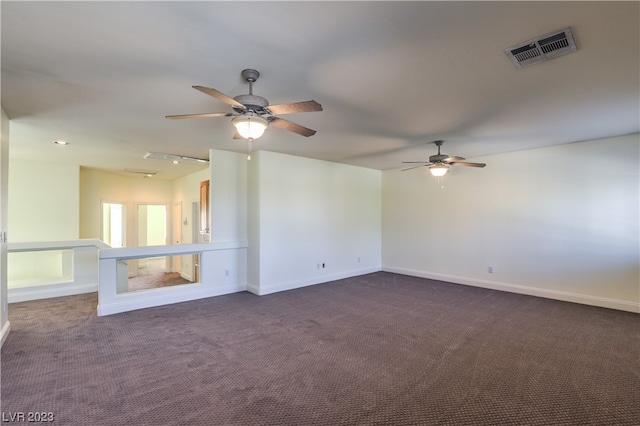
[(44, 269), (222, 270)]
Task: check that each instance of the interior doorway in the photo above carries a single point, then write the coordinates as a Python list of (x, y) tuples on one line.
[(114, 224), (151, 224)]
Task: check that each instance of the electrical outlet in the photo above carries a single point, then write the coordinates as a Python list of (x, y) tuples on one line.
[(226, 272), (490, 269), (358, 259)]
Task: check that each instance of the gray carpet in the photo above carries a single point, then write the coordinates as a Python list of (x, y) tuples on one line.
[(154, 275), (379, 349), (158, 280)]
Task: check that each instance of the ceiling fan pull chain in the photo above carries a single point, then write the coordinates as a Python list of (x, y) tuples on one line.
[(249, 152)]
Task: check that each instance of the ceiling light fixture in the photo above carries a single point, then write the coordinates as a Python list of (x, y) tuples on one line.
[(61, 142), (250, 125), (439, 170), (144, 173), (175, 159)]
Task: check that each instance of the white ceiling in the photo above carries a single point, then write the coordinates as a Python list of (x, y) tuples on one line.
[(391, 76)]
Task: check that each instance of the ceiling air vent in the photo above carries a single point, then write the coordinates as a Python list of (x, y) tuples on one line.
[(541, 49)]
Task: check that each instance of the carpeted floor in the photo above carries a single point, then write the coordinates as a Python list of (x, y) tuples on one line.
[(379, 349), (154, 275), (160, 279)]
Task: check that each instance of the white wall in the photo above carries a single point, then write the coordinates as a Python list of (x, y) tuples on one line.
[(228, 196), (4, 176), (43, 208), (559, 222), (152, 225), (186, 191), (304, 213)]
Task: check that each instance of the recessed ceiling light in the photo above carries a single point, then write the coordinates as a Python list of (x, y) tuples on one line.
[(61, 142)]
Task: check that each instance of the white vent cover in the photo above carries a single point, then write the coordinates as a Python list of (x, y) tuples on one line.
[(541, 49)]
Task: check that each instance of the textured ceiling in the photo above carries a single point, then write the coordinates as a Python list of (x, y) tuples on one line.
[(391, 76)]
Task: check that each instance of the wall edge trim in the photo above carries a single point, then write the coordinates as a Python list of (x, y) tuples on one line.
[(36, 292), (584, 299), (292, 285), (166, 298), (4, 333)]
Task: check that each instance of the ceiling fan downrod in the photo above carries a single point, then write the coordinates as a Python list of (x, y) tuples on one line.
[(438, 144), (250, 76)]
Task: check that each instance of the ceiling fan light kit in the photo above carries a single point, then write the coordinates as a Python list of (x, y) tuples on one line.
[(250, 125), (439, 170)]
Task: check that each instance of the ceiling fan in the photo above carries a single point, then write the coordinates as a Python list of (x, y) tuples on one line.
[(439, 163), (253, 114)]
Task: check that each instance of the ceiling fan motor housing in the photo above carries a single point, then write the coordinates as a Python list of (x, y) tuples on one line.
[(438, 158), (252, 102)]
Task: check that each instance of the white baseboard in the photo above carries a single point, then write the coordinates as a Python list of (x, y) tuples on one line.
[(253, 288), (4, 332), (583, 299), (24, 294), (163, 296), (291, 285)]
